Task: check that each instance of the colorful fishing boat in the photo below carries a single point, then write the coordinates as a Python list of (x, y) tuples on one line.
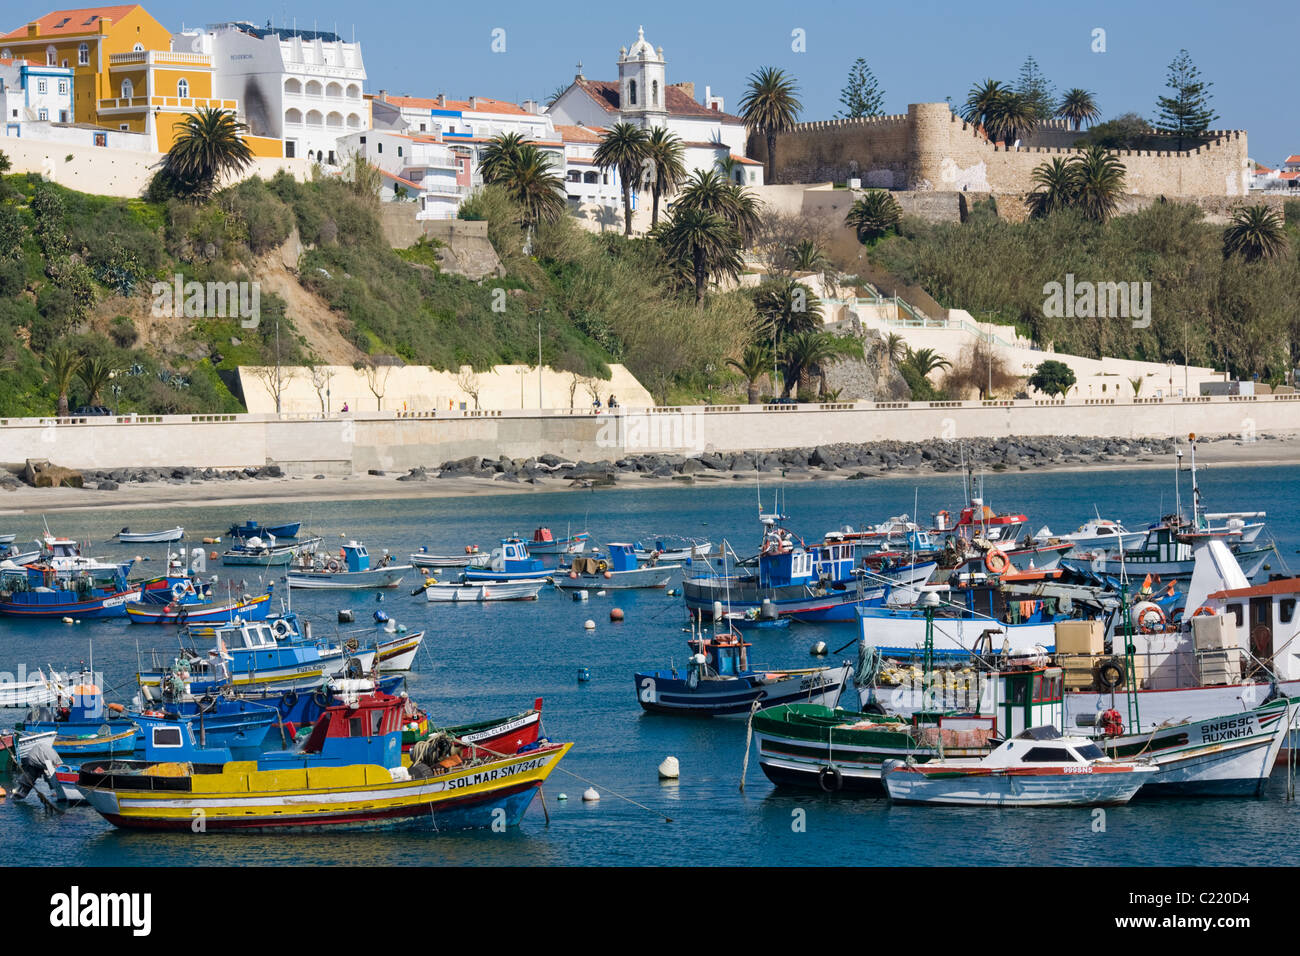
[(266, 554), (82, 724), (350, 570), (510, 562), (227, 612), (719, 682), (544, 542), (347, 774), (666, 548), (39, 591), (1038, 767), (621, 571)]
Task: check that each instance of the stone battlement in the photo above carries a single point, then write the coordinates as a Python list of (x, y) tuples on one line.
[(932, 148)]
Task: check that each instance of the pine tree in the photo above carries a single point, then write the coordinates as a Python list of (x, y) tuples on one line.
[(862, 95), (1037, 89), (1186, 114)]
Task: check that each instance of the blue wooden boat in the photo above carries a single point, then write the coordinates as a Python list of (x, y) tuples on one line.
[(621, 571), (39, 591), (510, 562), (751, 621), (217, 721), (719, 682), (83, 726), (226, 612), (251, 529)]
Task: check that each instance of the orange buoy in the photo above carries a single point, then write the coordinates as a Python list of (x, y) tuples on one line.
[(213, 556), (616, 614), (573, 575), (116, 708), (608, 575)]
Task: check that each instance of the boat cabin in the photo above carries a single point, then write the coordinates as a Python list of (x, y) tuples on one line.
[(724, 655), (543, 536), (622, 557), (355, 556), (1260, 619), (1043, 745), (363, 728), (513, 557)]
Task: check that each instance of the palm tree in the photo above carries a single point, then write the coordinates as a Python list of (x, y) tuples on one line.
[(924, 361), (1058, 185), (806, 256), (1078, 107), (529, 178), (727, 166), (894, 351), (786, 307), (979, 102), (1012, 116), (209, 145), (555, 95), (770, 107), (1255, 233), (710, 192), (625, 147), (873, 215), (666, 168), (62, 363), (94, 374), (706, 241), (1099, 183), (754, 364), (499, 155), (805, 351)]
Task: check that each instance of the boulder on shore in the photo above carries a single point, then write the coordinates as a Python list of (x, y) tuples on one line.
[(39, 473)]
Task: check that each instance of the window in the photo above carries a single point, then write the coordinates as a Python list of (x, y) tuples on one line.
[(1089, 752), (124, 127), (363, 141), (331, 157), (183, 88), (40, 86), (127, 89), (138, 48), (290, 148), (101, 139), (654, 93), (63, 87), (356, 728), (399, 151), (166, 736), (1048, 755), (63, 117), (379, 147), (631, 92), (422, 128), (51, 56), (42, 115), (1236, 613), (575, 176)]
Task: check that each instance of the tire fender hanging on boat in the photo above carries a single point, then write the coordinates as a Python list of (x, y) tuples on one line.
[(830, 779)]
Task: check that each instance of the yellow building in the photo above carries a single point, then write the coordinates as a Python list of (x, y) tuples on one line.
[(125, 74)]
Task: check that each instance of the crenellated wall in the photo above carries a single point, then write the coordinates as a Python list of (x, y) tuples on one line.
[(931, 148)]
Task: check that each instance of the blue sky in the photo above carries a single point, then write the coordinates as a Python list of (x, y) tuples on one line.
[(920, 51)]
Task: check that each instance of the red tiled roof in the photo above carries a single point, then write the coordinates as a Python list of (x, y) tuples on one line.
[(579, 134), (407, 182), (72, 22), (483, 104), (678, 103), (745, 160), (19, 61), (1293, 175), (1293, 159)]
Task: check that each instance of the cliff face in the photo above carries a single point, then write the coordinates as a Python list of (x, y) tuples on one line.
[(870, 378)]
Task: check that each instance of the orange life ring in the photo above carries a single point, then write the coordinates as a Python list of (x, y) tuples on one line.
[(1204, 611), (996, 561)]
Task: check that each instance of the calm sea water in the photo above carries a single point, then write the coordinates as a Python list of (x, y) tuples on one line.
[(491, 660)]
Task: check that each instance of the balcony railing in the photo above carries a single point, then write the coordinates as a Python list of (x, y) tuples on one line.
[(158, 57)]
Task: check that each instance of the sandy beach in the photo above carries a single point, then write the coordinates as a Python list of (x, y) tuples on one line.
[(1281, 450)]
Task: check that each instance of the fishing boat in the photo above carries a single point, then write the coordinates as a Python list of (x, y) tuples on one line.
[(752, 620), (239, 609), (472, 558), (621, 571), (127, 536), (7, 539), (276, 654), (666, 548), (350, 570), (346, 774), (270, 553), (525, 589), (978, 520), (39, 591), (1168, 553), (544, 542), (719, 682), (1038, 767), (510, 562), (505, 735), (64, 556), (83, 725), (251, 529), (1097, 534), (218, 722)]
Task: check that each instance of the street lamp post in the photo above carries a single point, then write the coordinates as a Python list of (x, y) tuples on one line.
[(538, 312)]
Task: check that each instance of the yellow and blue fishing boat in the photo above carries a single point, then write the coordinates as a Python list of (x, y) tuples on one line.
[(347, 774)]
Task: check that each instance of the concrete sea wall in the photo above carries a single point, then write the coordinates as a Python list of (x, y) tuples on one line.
[(394, 440)]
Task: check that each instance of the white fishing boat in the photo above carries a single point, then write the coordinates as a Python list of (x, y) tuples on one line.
[(127, 536), (349, 571), (472, 558), (1036, 768), (620, 572), (671, 549), (476, 591), (6, 539), (1097, 534)]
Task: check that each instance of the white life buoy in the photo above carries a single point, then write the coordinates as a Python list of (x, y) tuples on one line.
[(1150, 617), (281, 628), (179, 590)]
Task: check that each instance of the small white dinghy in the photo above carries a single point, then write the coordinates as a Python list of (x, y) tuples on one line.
[(1036, 768), (127, 536), (475, 591)]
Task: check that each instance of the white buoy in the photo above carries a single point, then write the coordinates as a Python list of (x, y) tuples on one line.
[(563, 796), (669, 769), (600, 594), (818, 649), (67, 620), (590, 795), (717, 610), (589, 625)]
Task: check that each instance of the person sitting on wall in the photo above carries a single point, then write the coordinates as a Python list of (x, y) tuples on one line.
[(613, 402), (345, 406), (595, 404)]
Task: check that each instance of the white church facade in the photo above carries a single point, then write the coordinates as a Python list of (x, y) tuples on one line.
[(643, 96)]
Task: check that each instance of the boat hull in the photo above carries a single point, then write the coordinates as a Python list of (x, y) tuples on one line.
[(348, 580), (1049, 786), (661, 692), (526, 590), (253, 610), (349, 797), (31, 605), (655, 577), (151, 537)]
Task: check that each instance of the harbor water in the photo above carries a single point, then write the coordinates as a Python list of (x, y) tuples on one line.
[(489, 660)]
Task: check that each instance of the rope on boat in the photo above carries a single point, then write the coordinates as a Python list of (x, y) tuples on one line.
[(749, 736)]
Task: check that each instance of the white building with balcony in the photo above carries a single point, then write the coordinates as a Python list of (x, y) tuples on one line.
[(32, 93), (418, 169), (302, 87)]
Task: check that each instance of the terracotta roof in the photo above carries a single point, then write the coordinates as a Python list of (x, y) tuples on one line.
[(1293, 159), (579, 134), (1293, 175), (1283, 586), (72, 22), (483, 104), (745, 160), (19, 61), (678, 103)]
